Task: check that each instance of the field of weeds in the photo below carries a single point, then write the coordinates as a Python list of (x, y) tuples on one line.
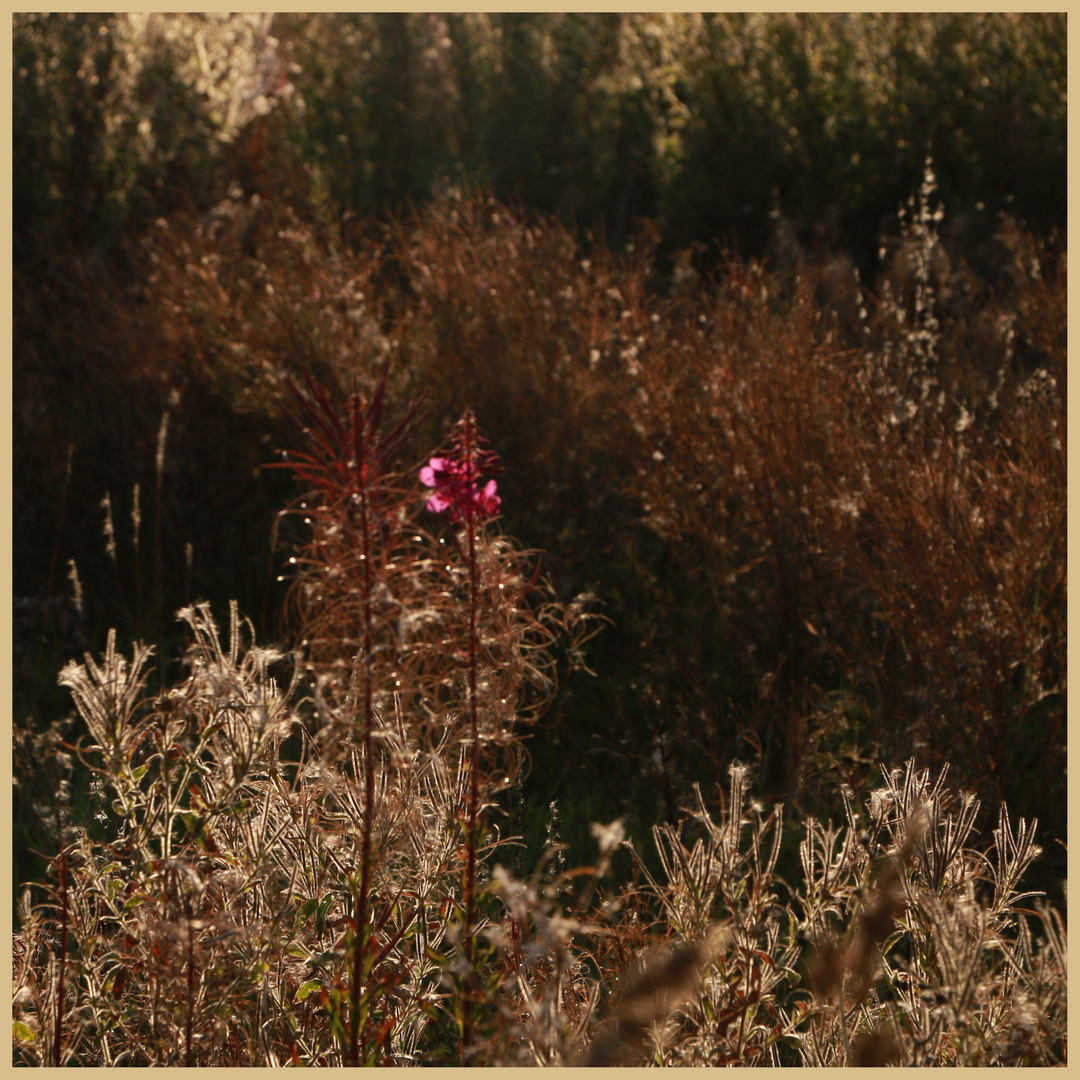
[(445, 635)]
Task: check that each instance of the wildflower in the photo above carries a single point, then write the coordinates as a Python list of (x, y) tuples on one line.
[(457, 491)]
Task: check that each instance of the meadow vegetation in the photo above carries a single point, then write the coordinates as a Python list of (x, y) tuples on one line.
[(467, 612)]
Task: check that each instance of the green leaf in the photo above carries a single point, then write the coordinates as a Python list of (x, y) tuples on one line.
[(307, 910), (20, 1031), (307, 988), (137, 899), (321, 913)]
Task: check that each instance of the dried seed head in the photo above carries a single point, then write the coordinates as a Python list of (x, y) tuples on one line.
[(110, 533), (136, 515), (163, 433), (77, 593)]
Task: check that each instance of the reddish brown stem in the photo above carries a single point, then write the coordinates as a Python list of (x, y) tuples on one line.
[(369, 770), (474, 760)]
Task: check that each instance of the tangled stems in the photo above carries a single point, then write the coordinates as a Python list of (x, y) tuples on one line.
[(58, 1035)]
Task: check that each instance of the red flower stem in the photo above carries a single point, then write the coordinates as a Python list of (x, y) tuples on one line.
[(474, 757), (369, 770)]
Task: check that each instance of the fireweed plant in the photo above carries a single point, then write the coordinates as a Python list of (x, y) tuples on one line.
[(352, 492), (214, 926), (455, 480), (297, 871), (399, 623)]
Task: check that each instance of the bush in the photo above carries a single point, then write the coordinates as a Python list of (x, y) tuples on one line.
[(877, 508), (423, 655)]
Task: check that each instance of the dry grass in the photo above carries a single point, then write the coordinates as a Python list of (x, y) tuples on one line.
[(216, 925)]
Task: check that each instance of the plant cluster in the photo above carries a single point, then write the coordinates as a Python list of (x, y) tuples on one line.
[(296, 859), (900, 504), (223, 918), (898, 945), (265, 840)]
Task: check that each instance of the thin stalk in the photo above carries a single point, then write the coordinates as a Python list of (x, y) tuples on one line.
[(369, 769), (843, 1022), (136, 521), (110, 544), (189, 1059), (159, 477), (189, 556), (474, 761), (59, 1030), (741, 1045)]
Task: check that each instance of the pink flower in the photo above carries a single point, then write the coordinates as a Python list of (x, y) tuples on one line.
[(487, 502), (454, 491)]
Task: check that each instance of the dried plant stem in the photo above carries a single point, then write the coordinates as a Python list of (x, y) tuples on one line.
[(189, 556), (842, 1022), (59, 1030), (136, 521), (189, 1059), (109, 533), (159, 475)]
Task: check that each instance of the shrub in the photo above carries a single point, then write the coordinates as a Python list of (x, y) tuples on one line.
[(872, 501), (292, 858)]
